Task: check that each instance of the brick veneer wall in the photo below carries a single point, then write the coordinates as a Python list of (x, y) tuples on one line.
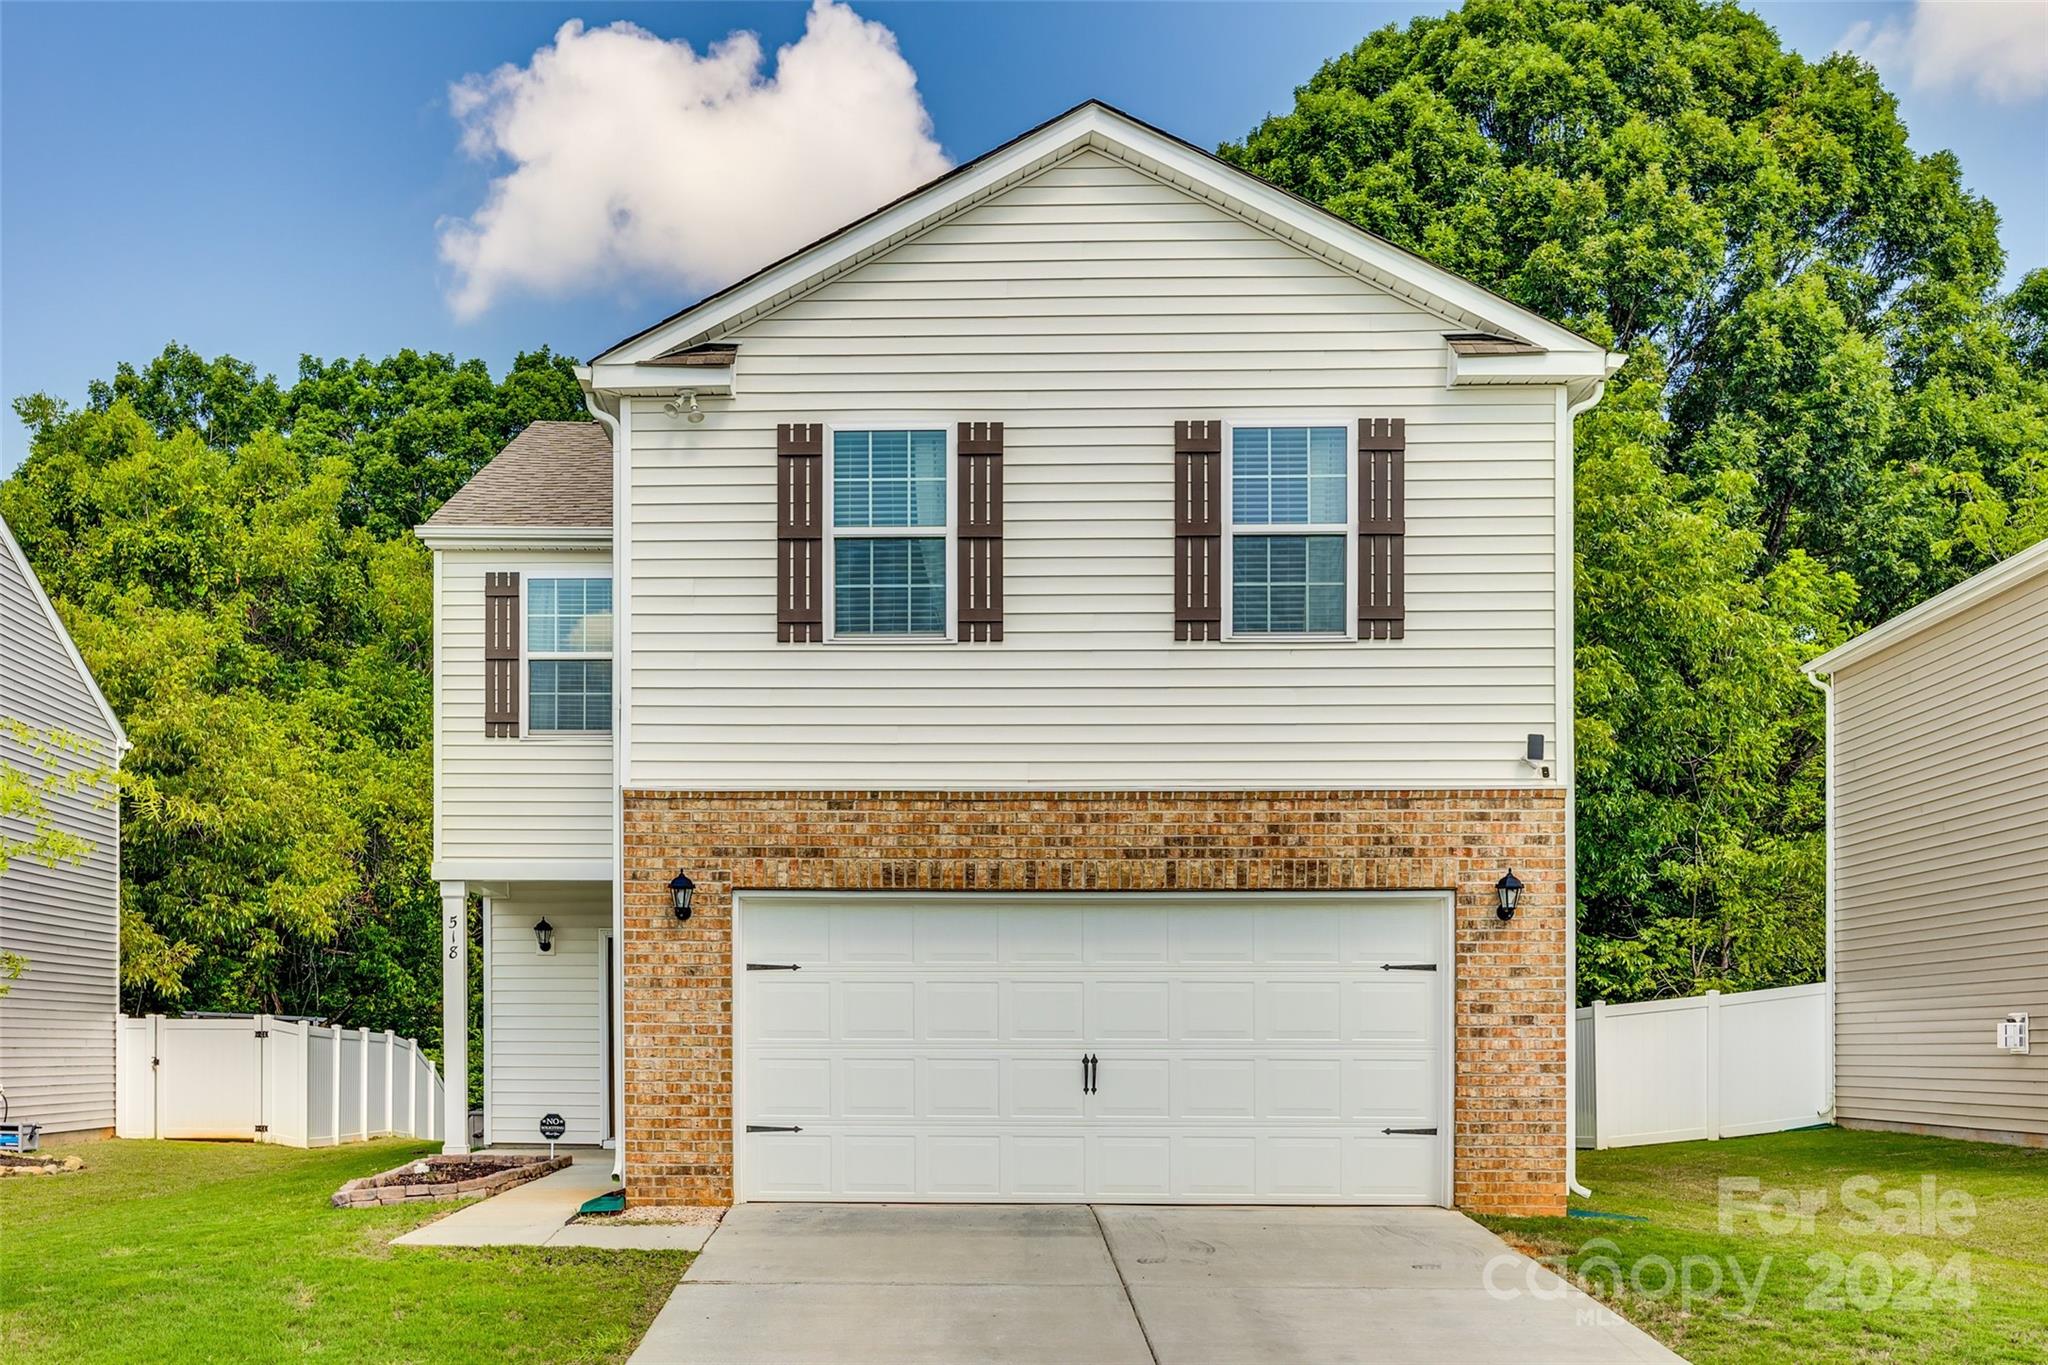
[(1510, 1012)]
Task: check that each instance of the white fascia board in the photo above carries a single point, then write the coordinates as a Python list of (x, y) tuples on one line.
[(515, 537), (498, 870), (1545, 367), (659, 381), (1095, 125), (35, 585), (1935, 610)]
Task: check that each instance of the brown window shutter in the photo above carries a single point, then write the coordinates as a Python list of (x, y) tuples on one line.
[(1382, 527), (800, 532), (501, 655), (1198, 530), (980, 533)]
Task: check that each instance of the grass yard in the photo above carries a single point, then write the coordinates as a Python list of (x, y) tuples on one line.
[(1894, 1276), (228, 1252)]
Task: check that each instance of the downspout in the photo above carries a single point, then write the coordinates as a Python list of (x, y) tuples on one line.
[(1827, 690), (1568, 755), (620, 651)]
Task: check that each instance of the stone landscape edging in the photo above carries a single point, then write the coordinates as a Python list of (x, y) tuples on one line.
[(368, 1192)]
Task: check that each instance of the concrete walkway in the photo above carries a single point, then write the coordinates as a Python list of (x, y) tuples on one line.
[(1121, 1284), (537, 1214)]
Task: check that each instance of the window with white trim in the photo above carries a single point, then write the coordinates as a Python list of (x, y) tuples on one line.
[(568, 655), (1290, 531), (889, 530)]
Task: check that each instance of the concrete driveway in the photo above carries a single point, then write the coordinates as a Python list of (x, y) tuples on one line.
[(1071, 1283)]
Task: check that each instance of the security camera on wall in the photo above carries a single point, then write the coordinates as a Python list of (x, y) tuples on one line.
[(1533, 756)]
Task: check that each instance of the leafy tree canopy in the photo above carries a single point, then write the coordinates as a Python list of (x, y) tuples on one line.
[(1829, 413), (235, 561)]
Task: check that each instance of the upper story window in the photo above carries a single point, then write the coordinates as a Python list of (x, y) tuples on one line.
[(569, 655), (890, 529), (1290, 531)]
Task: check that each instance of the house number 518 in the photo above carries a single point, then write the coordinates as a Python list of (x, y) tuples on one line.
[(451, 936)]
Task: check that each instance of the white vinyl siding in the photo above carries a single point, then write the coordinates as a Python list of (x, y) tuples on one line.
[(57, 1023), (539, 796), (1088, 309), (543, 1047), (1941, 857)]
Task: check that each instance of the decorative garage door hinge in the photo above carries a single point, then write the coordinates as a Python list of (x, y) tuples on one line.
[(1412, 1132), (771, 1128), (1407, 966), (774, 967)]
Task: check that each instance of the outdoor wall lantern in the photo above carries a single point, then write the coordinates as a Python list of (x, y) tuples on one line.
[(681, 889), (1509, 889), (544, 934)]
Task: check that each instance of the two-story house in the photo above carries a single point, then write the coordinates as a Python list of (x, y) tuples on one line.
[(1060, 690)]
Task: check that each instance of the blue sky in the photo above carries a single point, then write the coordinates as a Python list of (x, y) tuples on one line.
[(266, 180)]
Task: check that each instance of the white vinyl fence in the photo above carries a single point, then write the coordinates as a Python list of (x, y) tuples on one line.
[(262, 1079), (1712, 1066)]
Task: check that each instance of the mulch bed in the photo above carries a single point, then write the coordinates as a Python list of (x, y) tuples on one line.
[(445, 1177)]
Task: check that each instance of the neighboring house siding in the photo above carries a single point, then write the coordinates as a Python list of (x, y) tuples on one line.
[(533, 797), (1088, 309), (543, 1046), (1941, 856), (57, 1023)]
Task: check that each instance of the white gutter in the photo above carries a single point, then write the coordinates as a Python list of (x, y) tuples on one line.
[(1568, 760), (620, 428), (1827, 690)]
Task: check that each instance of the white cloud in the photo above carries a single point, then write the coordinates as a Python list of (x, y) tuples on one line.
[(632, 156), (1998, 48)]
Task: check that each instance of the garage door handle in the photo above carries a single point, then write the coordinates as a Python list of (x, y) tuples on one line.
[(1412, 1132), (1407, 966), (771, 1128), (1088, 1065)]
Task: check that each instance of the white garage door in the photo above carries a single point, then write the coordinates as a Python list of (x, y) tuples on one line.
[(1258, 1048)]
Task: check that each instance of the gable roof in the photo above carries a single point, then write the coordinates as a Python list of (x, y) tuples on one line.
[(2011, 573), (1095, 125), (552, 475), (12, 548)]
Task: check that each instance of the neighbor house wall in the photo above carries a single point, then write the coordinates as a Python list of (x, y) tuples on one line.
[(57, 1021), (1941, 853), (1088, 309), (500, 800), (543, 1040), (1509, 1010)]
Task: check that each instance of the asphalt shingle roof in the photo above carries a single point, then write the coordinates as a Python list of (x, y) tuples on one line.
[(552, 474)]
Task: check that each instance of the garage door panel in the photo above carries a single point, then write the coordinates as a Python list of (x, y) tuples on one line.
[(1139, 1088), (1046, 1011), (878, 1163), (1300, 935), (789, 1011), (1389, 1170), (1216, 1011), (1133, 1167), (1044, 936), (964, 1087), (1215, 936), (1391, 1007), (793, 1088), (1216, 1167), (1301, 1088), (874, 935), (1045, 1087), (1301, 1011), (963, 1011), (963, 935), (1047, 1167), (1301, 1168), (963, 1165), (877, 1087), (1398, 1090), (1216, 1088), (1398, 932), (1131, 1011), (788, 933), (790, 1165), (1134, 934), (875, 1011)]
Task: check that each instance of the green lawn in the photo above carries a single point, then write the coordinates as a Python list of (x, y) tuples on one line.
[(229, 1252), (1965, 1281)]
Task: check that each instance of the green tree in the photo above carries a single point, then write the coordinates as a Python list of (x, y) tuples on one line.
[(237, 566), (1830, 413)]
